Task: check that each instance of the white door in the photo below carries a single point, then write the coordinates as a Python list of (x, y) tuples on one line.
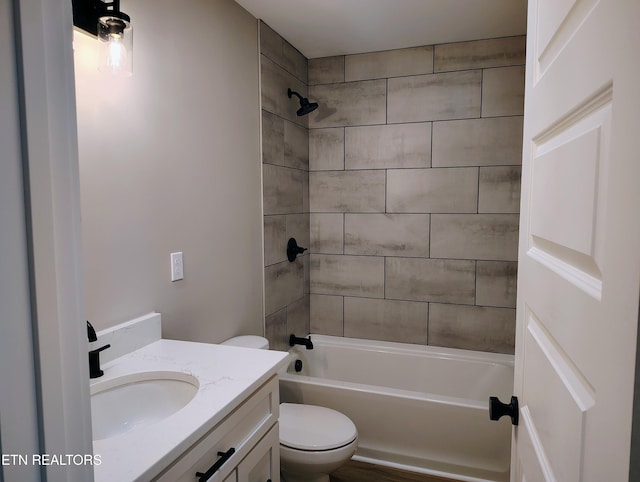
[(579, 252)]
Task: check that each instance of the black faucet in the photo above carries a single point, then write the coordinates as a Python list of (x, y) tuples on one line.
[(294, 340), (94, 355)]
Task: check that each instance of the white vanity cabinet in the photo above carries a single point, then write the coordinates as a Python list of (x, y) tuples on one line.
[(243, 447)]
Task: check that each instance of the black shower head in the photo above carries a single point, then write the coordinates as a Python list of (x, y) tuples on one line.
[(305, 106)]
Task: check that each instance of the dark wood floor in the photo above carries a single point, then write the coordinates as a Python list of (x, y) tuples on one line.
[(361, 472)]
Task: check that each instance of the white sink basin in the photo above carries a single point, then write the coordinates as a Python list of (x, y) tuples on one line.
[(122, 404)]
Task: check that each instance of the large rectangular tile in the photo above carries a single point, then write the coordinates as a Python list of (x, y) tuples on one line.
[(327, 315), (275, 327), (305, 191), (327, 233), (270, 43), (387, 320), (306, 266), (499, 189), (388, 146), (389, 63), (387, 234), (472, 327), (475, 236), (283, 189), (284, 143), (503, 91), (477, 142), (275, 239), (476, 54), (298, 228), (349, 104), (294, 62), (496, 283), (277, 49), (272, 139), (326, 149), (326, 70), (451, 190), (347, 191), (439, 280), (298, 317), (296, 146), (275, 81), (455, 95), (347, 275), (283, 284)]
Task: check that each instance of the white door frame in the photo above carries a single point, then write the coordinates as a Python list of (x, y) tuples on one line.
[(18, 407), (44, 36)]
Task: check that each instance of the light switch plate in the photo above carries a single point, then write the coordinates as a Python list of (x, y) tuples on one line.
[(177, 266)]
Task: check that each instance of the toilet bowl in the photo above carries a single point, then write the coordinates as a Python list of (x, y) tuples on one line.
[(314, 441)]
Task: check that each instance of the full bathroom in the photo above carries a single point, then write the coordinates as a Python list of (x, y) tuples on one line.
[(301, 256), (401, 186)]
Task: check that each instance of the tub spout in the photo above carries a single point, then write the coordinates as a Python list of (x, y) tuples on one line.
[(294, 340)]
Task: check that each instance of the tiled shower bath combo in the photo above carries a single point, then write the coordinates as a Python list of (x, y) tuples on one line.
[(405, 184)]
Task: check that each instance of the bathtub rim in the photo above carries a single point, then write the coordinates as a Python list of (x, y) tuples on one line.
[(426, 351)]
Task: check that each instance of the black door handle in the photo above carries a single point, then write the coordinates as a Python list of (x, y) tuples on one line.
[(497, 409), (224, 456)]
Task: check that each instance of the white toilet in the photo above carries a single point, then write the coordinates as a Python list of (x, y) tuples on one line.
[(314, 441)]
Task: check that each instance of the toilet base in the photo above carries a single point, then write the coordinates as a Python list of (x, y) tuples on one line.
[(314, 478)]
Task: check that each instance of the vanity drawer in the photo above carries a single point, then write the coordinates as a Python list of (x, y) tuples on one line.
[(240, 430)]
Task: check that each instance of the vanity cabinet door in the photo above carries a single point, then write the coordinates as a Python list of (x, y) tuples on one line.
[(262, 464), (232, 477), (226, 445)]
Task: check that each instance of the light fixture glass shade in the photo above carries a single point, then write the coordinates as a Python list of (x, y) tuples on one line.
[(115, 38)]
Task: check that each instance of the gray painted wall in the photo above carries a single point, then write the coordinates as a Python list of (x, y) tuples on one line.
[(170, 161)]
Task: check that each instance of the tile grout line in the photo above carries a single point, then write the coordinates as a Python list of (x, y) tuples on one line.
[(481, 92), (475, 283), (386, 102), (343, 297), (478, 194)]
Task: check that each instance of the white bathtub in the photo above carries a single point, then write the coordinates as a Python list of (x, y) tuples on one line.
[(416, 407)]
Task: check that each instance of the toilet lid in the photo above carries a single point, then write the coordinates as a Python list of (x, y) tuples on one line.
[(248, 341), (309, 427)]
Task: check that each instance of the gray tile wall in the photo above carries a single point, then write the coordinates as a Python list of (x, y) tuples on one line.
[(285, 158), (414, 187)]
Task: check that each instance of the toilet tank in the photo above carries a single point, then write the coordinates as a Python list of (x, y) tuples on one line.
[(248, 341)]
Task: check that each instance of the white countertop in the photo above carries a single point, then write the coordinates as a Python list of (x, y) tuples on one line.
[(226, 375)]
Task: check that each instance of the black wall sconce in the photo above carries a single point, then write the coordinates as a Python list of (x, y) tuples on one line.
[(112, 27)]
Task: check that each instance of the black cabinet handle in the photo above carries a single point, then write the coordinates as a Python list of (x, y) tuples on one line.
[(224, 456)]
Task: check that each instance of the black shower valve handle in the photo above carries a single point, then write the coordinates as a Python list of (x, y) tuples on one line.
[(293, 250)]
